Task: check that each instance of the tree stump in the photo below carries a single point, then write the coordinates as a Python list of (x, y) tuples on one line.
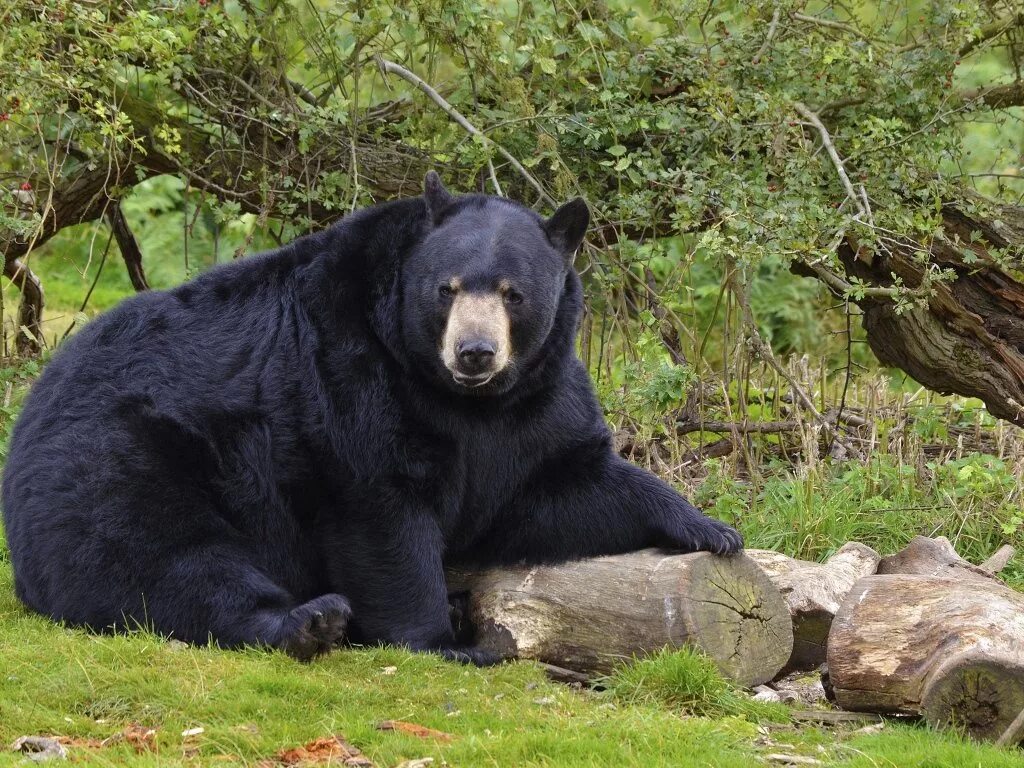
[(950, 649), (813, 592), (589, 614)]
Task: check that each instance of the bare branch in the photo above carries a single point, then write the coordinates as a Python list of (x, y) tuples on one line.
[(773, 27), (29, 339), (84, 197), (998, 96), (837, 161), (830, 24), (454, 114)]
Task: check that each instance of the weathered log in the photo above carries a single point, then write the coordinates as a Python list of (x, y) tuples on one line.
[(950, 649), (589, 614), (813, 592), (936, 557)]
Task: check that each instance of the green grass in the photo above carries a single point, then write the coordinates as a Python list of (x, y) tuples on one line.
[(251, 705)]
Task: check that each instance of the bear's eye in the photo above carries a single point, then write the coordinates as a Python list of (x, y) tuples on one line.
[(513, 298), (446, 291)]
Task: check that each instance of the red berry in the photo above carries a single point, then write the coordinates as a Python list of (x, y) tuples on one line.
[(26, 187), (4, 116)]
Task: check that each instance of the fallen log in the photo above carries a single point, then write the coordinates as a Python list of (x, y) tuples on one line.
[(813, 592), (950, 649), (937, 557), (590, 614)]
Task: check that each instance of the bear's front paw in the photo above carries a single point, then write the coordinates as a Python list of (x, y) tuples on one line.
[(699, 533), (314, 628)]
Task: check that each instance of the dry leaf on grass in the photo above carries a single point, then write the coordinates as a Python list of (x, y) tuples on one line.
[(141, 738), (419, 731), (419, 762), (330, 749)]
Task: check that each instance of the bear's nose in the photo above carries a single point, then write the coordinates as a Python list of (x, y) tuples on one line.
[(475, 356)]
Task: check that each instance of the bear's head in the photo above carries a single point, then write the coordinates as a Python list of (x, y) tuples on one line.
[(481, 290)]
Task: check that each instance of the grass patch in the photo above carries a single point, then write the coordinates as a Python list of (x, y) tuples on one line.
[(689, 682)]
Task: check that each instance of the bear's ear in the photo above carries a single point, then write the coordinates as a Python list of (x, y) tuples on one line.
[(566, 228), (435, 196)]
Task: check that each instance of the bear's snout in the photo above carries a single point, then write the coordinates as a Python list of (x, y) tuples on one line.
[(476, 344)]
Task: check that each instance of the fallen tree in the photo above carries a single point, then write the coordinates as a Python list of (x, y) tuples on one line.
[(813, 593)]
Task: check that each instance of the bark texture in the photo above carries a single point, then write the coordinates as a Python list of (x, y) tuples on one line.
[(950, 649), (590, 614), (813, 593), (969, 339)]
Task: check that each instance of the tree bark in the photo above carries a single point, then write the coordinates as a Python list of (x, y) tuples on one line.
[(29, 337), (950, 649), (129, 247), (813, 593), (969, 339), (590, 614), (936, 557)]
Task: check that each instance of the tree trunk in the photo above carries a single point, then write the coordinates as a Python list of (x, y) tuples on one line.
[(588, 615), (813, 592), (951, 650), (969, 339), (29, 336)]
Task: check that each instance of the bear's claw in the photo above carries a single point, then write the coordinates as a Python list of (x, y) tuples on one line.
[(316, 627)]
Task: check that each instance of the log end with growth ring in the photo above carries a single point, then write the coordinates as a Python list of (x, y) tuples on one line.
[(974, 693), (591, 614)]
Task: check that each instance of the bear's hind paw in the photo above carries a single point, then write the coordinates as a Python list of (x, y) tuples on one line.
[(314, 628)]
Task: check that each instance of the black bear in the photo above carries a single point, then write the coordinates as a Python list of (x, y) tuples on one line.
[(310, 435)]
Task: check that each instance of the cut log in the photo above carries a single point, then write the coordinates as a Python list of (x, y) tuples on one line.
[(590, 614), (950, 649), (936, 557), (814, 592)]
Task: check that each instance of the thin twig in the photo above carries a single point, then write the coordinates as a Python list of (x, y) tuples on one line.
[(830, 24), (1013, 734), (773, 27), (763, 350), (396, 69), (837, 161)]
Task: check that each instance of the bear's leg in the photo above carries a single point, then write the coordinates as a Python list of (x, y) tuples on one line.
[(215, 594), (158, 555), (596, 503), (391, 569)]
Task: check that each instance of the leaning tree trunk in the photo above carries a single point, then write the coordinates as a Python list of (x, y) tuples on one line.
[(969, 339)]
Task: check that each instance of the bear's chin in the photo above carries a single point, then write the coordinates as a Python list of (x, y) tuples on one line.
[(496, 384)]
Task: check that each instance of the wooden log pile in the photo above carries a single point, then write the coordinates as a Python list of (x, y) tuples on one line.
[(922, 632)]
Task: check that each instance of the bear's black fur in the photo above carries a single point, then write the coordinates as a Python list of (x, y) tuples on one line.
[(278, 445)]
